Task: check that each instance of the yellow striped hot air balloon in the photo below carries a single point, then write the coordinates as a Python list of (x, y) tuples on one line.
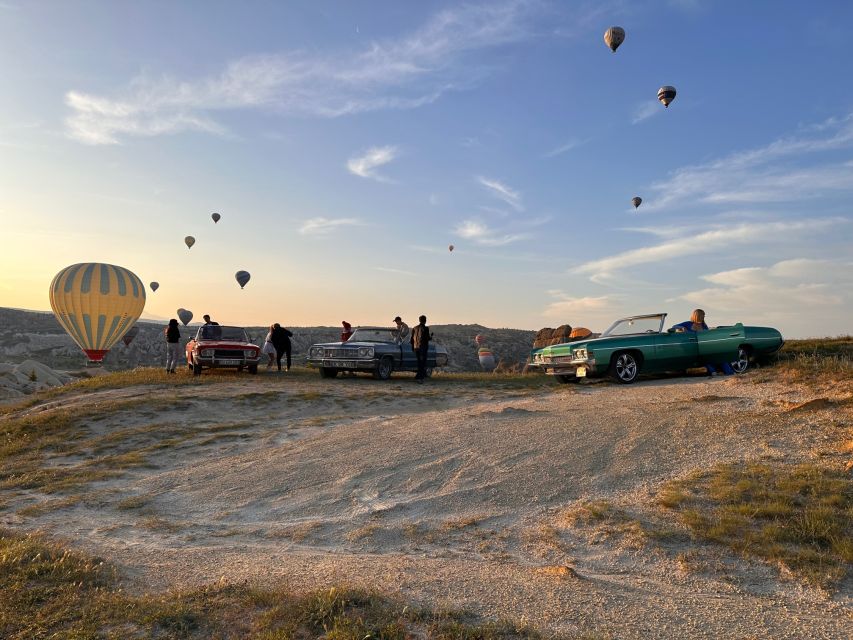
[(96, 304)]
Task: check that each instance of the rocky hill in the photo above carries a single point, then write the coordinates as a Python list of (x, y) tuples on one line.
[(30, 335)]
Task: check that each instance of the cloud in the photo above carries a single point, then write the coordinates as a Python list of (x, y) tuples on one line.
[(563, 148), (782, 290), (481, 234), (365, 165), (502, 192), (646, 110), (400, 73), (400, 272), (761, 174), (597, 311), (702, 242), (321, 226)]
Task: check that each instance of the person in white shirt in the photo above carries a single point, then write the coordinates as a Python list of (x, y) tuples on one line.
[(402, 330)]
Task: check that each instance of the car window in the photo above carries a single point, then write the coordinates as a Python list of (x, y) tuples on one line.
[(631, 326), (226, 334), (372, 335)]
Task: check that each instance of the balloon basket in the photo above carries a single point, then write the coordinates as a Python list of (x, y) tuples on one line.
[(94, 364)]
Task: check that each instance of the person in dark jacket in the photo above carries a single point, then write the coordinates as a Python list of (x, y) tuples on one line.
[(281, 341), (420, 344), (173, 345)]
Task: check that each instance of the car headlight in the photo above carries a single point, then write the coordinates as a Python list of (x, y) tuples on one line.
[(250, 353), (207, 353), (579, 354), (365, 352), (315, 352)]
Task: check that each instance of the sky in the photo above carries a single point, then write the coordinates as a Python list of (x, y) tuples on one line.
[(347, 145)]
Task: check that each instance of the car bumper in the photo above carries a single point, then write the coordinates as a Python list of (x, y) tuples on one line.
[(577, 368), (351, 364), (219, 362)]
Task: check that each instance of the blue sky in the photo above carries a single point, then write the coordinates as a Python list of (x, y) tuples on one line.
[(347, 145)]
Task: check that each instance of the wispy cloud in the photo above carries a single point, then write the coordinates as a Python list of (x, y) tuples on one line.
[(761, 174), (480, 233), (402, 73), (563, 148), (704, 242), (400, 272), (503, 192), (366, 165), (784, 289), (593, 311), (646, 110), (321, 226)]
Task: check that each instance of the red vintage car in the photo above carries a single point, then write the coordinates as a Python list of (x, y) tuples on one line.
[(216, 346)]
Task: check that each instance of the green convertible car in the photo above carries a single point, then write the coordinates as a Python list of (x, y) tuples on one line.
[(641, 344)]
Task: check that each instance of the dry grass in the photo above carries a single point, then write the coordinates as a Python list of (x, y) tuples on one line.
[(815, 360), (48, 591), (800, 517)]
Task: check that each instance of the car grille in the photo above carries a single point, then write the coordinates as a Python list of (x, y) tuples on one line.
[(340, 353), (228, 353)]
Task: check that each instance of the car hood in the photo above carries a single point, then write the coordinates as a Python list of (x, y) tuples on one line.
[(583, 344), (221, 344)]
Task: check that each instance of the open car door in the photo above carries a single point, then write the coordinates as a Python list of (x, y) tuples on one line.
[(720, 344)]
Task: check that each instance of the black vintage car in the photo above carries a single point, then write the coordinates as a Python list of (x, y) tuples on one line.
[(373, 350)]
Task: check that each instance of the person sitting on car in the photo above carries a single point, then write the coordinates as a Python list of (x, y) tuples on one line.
[(402, 331), (696, 323)]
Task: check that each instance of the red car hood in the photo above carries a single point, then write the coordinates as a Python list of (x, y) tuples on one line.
[(219, 344)]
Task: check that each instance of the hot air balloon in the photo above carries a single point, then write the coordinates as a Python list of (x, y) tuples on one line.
[(185, 316), (154, 286), (487, 359), (189, 241), (636, 201), (579, 332), (614, 36), (96, 304), (666, 94), (242, 278), (215, 217), (130, 335), (451, 248), (479, 340)]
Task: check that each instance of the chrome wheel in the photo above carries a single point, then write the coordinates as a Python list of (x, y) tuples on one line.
[(742, 363), (384, 368), (625, 368)]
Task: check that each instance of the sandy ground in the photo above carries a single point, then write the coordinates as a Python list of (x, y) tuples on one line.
[(454, 495)]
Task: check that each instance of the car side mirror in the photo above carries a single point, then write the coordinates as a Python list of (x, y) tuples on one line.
[(670, 330)]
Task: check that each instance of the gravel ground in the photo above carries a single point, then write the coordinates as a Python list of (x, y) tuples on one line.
[(459, 497)]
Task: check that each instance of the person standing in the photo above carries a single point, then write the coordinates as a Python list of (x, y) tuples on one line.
[(420, 344), (281, 341), (347, 331), (402, 330), (173, 345), (269, 347)]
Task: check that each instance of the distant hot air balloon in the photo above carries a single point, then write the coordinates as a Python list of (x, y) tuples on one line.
[(579, 332), (189, 241), (451, 248), (154, 286), (215, 217), (242, 278), (636, 201), (479, 340), (487, 359), (130, 335), (666, 94), (614, 36), (185, 316), (96, 304)]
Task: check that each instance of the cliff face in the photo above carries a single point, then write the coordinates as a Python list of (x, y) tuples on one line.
[(26, 335)]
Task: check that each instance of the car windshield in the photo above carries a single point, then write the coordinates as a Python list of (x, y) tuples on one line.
[(372, 335), (226, 334), (631, 326)]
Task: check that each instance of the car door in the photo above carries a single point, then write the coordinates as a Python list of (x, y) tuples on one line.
[(409, 361), (721, 344), (674, 351)]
